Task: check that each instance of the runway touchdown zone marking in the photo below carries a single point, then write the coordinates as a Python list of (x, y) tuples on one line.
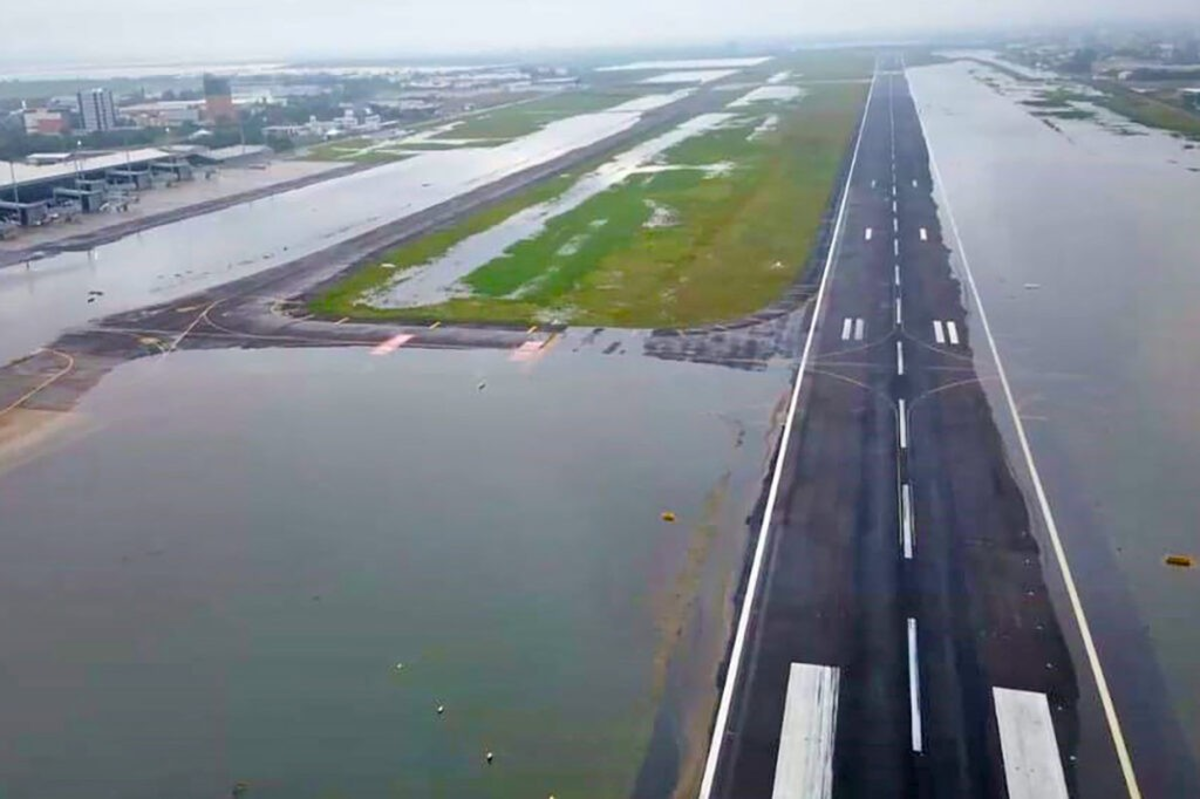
[(1032, 765), (804, 767), (853, 327)]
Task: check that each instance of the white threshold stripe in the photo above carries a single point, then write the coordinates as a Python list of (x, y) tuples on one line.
[(903, 425), (760, 548), (867, 234), (1032, 765), (858, 329), (938, 335), (1085, 630), (914, 687), (847, 326), (906, 521), (899, 358), (804, 766), (924, 234), (952, 332)]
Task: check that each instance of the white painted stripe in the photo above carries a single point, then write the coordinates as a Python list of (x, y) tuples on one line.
[(858, 329), (867, 234), (924, 234), (899, 358), (906, 521), (893, 206), (872, 182), (392, 344), (1060, 554), (903, 425), (896, 247), (804, 766), (847, 326), (1032, 765), (893, 189), (899, 316), (914, 183), (952, 332), (896, 274), (760, 549), (895, 225), (914, 686), (938, 335)]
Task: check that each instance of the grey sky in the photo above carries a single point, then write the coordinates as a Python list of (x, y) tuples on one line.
[(76, 31)]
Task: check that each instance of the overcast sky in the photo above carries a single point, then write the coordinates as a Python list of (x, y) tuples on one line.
[(82, 31)]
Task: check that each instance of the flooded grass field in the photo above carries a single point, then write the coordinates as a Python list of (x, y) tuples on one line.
[(272, 567), (706, 223)]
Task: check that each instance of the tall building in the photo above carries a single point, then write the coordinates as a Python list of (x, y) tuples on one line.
[(218, 100), (97, 109)]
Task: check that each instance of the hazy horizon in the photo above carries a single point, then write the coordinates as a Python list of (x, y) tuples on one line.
[(213, 31)]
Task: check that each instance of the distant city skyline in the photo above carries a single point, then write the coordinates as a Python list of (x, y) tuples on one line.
[(213, 31)]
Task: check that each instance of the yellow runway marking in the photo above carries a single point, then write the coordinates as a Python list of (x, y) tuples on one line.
[(29, 394), (435, 325), (532, 329), (342, 320)]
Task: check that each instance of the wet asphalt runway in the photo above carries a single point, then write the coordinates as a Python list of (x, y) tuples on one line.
[(901, 555)]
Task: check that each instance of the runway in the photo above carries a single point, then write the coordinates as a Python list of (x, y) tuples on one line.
[(909, 625)]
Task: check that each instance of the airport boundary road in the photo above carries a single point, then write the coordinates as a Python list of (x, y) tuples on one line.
[(898, 637)]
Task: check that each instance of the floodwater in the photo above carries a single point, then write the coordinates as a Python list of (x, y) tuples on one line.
[(1084, 244), (436, 281), (693, 63), (40, 300), (199, 592)]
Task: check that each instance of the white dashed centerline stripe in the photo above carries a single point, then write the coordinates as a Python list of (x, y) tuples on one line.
[(899, 358), (924, 234), (914, 687), (1060, 554), (899, 317), (895, 225), (896, 274), (938, 335), (896, 247), (903, 425), (720, 724), (867, 234), (804, 765), (952, 332), (914, 183), (893, 206), (1032, 765), (906, 521)]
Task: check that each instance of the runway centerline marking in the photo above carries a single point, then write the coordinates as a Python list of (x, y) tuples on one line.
[(924, 234), (896, 274), (914, 183), (952, 332), (899, 357), (906, 521), (1060, 554), (895, 225), (893, 207), (867, 234), (720, 724), (804, 765), (938, 335), (899, 317), (903, 425), (914, 687), (896, 247), (1032, 764)]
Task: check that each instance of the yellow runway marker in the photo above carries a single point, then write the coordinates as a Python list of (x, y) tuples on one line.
[(435, 325), (532, 329), (188, 308), (342, 320)]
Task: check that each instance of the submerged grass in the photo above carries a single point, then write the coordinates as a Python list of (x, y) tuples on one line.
[(669, 249), (524, 118)]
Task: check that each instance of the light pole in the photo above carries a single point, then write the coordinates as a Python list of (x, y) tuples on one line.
[(12, 174)]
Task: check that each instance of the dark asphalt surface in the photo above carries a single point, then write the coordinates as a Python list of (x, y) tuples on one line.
[(837, 589)]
